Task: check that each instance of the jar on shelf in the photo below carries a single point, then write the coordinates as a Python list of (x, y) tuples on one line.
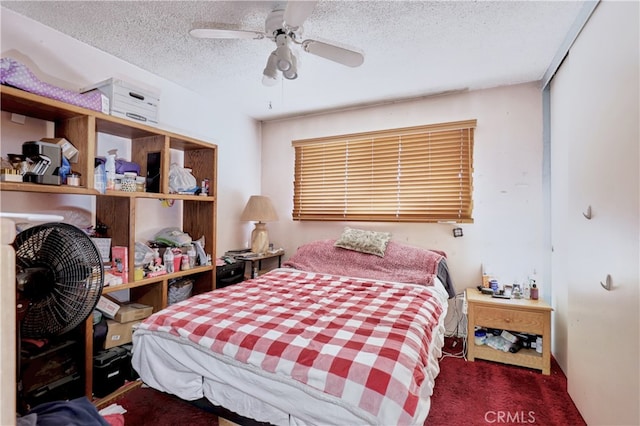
[(129, 182), (480, 337), (141, 184)]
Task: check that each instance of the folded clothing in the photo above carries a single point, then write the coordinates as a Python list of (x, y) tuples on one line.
[(14, 73)]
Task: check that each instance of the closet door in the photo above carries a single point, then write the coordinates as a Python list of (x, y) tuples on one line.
[(594, 121)]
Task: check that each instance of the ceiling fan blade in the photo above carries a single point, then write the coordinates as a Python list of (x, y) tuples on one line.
[(225, 34), (334, 53), (297, 12)]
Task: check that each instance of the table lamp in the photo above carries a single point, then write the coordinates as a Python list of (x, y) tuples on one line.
[(260, 210)]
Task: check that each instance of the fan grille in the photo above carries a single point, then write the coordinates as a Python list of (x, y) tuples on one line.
[(60, 273)]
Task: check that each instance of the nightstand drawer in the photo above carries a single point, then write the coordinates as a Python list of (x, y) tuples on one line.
[(510, 319)]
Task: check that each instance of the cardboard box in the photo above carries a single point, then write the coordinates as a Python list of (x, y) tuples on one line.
[(108, 306), (68, 150), (119, 333), (123, 312), (132, 311), (128, 101)]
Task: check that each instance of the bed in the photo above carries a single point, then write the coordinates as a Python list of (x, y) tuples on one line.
[(334, 336)]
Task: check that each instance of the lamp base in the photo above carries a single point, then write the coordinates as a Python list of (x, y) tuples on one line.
[(260, 238)]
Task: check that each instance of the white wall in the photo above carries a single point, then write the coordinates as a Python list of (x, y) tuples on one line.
[(507, 230), (61, 60)]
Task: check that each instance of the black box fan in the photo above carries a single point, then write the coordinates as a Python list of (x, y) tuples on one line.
[(59, 279), (59, 275)]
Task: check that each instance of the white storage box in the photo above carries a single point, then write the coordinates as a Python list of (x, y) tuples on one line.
[(128, 101)]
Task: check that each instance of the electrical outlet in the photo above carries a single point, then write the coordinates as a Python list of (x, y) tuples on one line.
[(464, 304)]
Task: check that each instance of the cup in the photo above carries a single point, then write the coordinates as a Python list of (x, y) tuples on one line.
[(185, 262), (177, 260), (73, 180)]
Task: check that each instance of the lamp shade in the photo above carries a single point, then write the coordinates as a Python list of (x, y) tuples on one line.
[(259, 209)]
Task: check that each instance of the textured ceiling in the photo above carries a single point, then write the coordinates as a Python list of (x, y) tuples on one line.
[(411, 48)]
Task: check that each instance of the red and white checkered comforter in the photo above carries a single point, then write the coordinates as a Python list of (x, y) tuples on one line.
[(364, 342)]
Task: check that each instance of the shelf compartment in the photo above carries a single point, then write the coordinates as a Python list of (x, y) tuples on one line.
[(524, 357), (117, 214), (203, 282), (20, 102), (151, 294), (199, 218)]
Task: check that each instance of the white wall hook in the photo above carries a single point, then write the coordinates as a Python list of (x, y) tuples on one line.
[(587, 214), (607, 284)]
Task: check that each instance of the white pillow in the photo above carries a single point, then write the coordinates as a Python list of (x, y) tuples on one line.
[(370, 242)]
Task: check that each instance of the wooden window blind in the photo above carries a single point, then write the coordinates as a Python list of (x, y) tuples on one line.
[(413, 174)]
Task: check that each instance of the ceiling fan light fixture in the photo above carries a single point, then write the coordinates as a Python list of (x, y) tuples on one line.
[(284, 58), (270, 73), (283, 52), (269, 81), (290, 75), (292, 72)]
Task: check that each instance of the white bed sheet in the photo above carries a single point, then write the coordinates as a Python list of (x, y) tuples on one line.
[(189, 372)]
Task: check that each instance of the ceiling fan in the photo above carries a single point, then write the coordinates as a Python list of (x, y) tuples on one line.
[(284, 27)]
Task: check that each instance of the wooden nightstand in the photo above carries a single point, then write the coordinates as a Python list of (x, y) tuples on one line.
[(254, 259), (520, 315)]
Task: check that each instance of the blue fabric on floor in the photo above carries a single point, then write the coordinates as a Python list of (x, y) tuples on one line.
[(76, 412)]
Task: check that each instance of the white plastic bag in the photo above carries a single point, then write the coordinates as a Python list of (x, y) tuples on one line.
[(181, 180)]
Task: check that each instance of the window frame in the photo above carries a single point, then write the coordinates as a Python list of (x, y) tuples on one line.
[(433, 175)]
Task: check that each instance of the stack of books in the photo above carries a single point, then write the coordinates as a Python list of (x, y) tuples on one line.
[(238, 252)]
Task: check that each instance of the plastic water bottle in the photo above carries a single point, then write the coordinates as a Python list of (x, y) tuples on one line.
[(191, 252), (168, 260), (110, 169), (100, 178)]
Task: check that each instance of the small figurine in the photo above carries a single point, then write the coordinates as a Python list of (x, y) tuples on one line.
[(516, 293)]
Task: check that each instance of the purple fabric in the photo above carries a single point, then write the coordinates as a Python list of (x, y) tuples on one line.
[(123, 166), (16, 74)]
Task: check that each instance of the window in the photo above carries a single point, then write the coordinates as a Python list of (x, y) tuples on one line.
[(413, 174)]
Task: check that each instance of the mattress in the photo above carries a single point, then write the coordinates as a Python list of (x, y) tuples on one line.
[(253, 385)]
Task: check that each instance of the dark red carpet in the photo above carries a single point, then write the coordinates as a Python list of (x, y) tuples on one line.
[(466, 393), (483, 392), (146, 406)]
